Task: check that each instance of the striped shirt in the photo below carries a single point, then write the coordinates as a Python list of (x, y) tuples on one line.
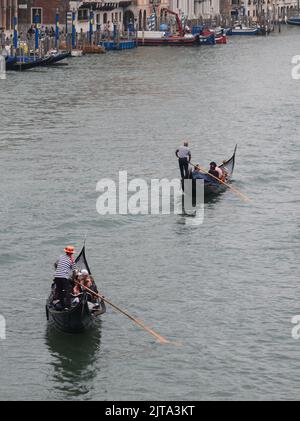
[(65, 267), (183, 152)]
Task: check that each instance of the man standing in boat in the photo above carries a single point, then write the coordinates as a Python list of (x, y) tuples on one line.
[(184, 156), (65, 267)]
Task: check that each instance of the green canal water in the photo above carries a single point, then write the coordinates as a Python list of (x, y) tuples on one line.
[(226, 289)]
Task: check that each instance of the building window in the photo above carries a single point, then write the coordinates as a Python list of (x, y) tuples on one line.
[(36, 12), (120, 16), (83, 14), (104, 17), (116, 16)]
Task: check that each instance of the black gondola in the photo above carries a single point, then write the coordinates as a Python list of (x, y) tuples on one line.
[(55, 58), (80, 316), (213, 186), (19, 66)]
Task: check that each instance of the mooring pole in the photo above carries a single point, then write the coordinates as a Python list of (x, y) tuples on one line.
[(56, 29)]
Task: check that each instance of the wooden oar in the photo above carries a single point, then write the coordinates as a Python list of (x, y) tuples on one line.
[(246, 198), (160, 338)]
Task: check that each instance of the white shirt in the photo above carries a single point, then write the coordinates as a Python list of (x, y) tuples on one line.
[(183, 152)]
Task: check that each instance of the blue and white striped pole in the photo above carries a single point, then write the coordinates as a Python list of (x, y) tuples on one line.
[(73, 30), (37, 35), (91, 26), (56, 29), (15, 32)]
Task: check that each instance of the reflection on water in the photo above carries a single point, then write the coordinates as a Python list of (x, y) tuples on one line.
[(73, 358)]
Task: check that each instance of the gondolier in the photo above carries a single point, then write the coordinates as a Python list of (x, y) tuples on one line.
[(65, 267), (183, 154), (82, 313)]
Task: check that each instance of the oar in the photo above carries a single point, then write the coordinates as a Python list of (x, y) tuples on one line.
[(246, 198), (160, 338)]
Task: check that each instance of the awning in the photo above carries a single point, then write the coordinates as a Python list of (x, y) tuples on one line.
[(105, 6)]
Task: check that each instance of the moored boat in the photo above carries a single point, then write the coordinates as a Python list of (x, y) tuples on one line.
[(243, 30), (80, 316), (220, 37), (21, 64), (56, 57), (207, 39), (294, 20), (160, 38)]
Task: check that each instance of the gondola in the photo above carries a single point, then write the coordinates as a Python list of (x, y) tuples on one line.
[(79, 317), (211, 185), (21, 65), (55, 58)]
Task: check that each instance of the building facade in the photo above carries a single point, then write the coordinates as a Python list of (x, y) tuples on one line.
[(121, 13), (270, 9), (135, 12), (254, 9), (45, 10)]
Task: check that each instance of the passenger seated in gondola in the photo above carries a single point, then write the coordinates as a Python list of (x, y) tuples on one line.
[(215, 170), (76, 291), (88, 281), (196, 171)]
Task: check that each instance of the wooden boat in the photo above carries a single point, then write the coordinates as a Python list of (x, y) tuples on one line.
[(211, 185), (80, 316)]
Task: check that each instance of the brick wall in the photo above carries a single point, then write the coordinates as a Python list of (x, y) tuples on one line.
[(49, 8)]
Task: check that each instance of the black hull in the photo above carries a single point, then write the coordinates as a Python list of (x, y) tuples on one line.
[(80, 317), (214, 188), (75, 320), (56, 59), (20, 66)]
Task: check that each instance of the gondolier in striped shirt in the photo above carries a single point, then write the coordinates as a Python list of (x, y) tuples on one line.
[(65, 267), (183, 154)]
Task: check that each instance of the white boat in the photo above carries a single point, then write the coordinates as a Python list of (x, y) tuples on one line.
[(76, 53), (243, 30)]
